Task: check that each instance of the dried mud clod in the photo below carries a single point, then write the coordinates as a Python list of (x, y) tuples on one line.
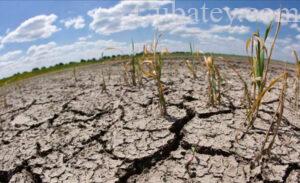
[(54, 132)]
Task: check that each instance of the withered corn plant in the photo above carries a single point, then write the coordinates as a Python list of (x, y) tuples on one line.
[(260, 56), (103, 84), (297, 82), (191, 64), (109, 72), (74, 75), (136, 70), (126, 73), (4, 101), (133, 65), (139, 73), (260, 60), (152, 68), (214, 81)]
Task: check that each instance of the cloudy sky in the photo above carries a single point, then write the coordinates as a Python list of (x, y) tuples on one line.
[(44, 33)]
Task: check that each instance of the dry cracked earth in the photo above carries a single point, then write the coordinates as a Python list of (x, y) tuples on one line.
[(56, 130)]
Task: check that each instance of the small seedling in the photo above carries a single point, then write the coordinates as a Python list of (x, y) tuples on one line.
[(192, 158), (214, 81), (154, 64), (297, 82)]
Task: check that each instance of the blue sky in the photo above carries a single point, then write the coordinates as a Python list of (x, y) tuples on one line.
[(44, 33)]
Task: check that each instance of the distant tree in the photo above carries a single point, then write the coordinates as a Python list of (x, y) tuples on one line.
[(82, 60), (35, 69), (94, 60), (43, 68)]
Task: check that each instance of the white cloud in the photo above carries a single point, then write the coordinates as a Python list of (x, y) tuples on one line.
[(230, 29), (1, 44), (298, 36), (105, 21), (40, 50), (295, 27), (124, 16), (85, 38), (10, 56), (76, 23), (38, 27)]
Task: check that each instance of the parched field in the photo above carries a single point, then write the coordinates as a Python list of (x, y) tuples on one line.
[(54, 129)]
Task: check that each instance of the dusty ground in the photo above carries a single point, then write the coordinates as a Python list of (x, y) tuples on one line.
[(56, 131)]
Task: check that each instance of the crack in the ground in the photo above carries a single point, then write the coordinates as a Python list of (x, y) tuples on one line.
[(210, 114), (85, 143), (5, 176), (206, 150), (290, 168), (139, 165), (96, 137), (20, 109), (213, 152)]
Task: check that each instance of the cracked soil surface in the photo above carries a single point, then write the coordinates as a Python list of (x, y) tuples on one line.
[(56, 130)]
